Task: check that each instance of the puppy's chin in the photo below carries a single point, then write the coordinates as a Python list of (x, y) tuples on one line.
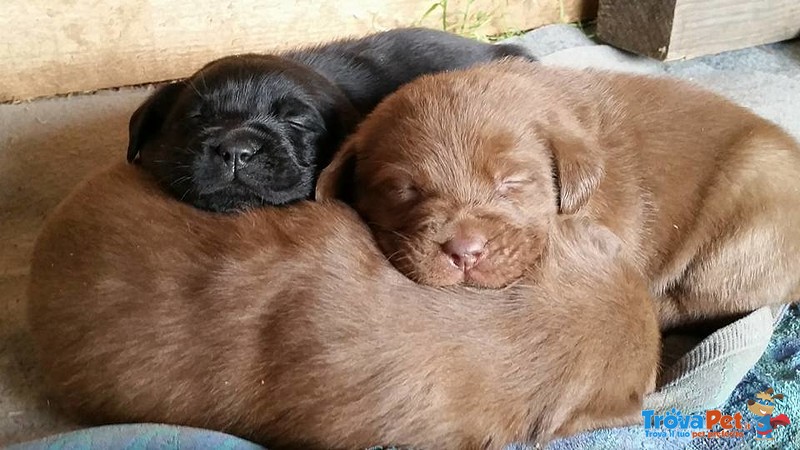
[(219, 190), (236, 197), (228, 200), (233, 195), (423, 262)]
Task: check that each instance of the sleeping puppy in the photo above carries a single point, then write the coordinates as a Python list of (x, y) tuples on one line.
[(463, 175), (255, 130), (288, 327)]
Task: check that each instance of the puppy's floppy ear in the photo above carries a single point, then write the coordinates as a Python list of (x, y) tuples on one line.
[(341, 121), (584, 237), (578, 169), (337, 179), (147, 120)]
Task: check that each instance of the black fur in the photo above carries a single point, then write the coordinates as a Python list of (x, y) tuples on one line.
[(255, 130)]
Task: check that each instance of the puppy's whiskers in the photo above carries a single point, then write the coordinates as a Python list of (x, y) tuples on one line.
[(186, 192), (180, 180), (404, 238), (172, 163), (500, 232), (382, 229), (407, 266), (393, 256), (203, 79), (187, 149), (189, 83)]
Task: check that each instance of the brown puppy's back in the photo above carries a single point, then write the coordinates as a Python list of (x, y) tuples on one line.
[(716, 188), (288, 327)]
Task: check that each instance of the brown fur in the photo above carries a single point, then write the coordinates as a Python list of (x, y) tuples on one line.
[(703, 193), (288, 327)]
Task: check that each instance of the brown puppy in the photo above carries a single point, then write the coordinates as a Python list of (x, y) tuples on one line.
[(462, 176), (289, 327)]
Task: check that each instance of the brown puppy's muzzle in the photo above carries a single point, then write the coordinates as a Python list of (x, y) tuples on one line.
[(477, 252), (466, 249)]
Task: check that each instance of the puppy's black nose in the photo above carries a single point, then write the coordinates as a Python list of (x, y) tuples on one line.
[(236, 155), (237, 149)]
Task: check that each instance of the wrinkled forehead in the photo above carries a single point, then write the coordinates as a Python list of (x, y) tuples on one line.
[(440, 151), (241, 86)]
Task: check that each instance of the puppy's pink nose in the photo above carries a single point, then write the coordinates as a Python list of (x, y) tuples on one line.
[(465, 251)]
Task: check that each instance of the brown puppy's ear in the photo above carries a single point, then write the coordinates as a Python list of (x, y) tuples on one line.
[(578, 170), (337, 179), (148, 119), (590, 235)]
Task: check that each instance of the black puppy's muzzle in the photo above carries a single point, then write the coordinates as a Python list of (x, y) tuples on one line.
[(237, 148), (246, 163)]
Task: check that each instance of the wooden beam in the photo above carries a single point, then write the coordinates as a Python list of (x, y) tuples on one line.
[(53, 47), (641, 27), (680, 29)]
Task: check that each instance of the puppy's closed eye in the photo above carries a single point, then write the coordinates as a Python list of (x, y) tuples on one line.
[(510, 186), (196, 114), (298, 115), (404, 192), (300, 123)]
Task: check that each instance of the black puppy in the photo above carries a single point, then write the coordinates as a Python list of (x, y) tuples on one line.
[(256, 130)]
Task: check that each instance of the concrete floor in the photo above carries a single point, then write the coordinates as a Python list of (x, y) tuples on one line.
[(46, 147)]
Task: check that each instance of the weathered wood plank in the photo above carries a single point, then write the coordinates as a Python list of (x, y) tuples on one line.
[(642, 26), (703, 27), (51, 47), (677, 29)]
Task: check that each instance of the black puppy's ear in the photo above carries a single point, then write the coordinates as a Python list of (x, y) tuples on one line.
[(336, 181), (577, 167), (147, 120), (347, 119)]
